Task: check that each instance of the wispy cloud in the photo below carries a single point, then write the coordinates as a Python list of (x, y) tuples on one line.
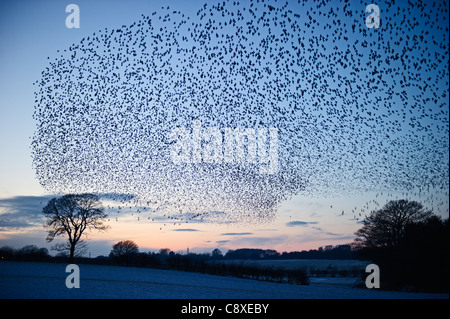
[(300, 223), (26, 211), (213, 217), (22, 212), (18, 220), (236, 234), (117, 196), (185, 229), (260, 241)]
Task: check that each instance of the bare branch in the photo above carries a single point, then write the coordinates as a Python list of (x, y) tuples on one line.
[(73, 214)]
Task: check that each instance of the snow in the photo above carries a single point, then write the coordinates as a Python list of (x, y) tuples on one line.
[(304, 263), (47, 280)]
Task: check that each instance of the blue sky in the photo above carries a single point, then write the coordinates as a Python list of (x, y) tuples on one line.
[(31, 31)]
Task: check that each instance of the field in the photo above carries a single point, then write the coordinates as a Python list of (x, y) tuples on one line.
[(47, 280), (320, 271), (305, 263)]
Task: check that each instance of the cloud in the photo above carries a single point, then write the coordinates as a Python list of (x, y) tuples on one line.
[(213, 217), (16, 220), (185, 229), (221, 242), (260, 241), (22, 212), (236, 234), (300, 223)]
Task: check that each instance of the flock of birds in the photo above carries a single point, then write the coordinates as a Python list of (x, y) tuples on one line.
[(356, 109)]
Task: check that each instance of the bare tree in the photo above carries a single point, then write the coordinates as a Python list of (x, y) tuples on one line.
[(165, 251), (216, 254), (386, 227), (64, 248), (73, 214), (124, 251)]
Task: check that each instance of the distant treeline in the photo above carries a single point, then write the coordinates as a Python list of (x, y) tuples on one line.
[(166, 259), (26, 253), (339, 252), (126, 253), (327, 252)]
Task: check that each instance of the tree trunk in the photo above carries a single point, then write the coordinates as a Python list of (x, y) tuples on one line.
[(72, 252)]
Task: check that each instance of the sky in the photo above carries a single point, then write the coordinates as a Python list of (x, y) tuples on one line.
[(326, 213)]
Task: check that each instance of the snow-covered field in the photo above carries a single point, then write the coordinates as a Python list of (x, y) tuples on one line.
[(47, 280), (303, 263)]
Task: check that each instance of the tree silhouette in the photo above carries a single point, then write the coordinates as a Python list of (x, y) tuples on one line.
[(165, 251), (386, 227), (216, 254), (64, 248), (124, 251), (73, 214), (423, 255), (409, 244)]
